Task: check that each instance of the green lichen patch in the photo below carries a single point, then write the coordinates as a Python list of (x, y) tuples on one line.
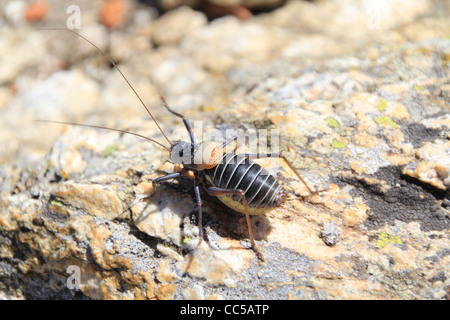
[(56, 203), (109, 150), (384, 239), (332, 123), (186, 240), (337, 144), (382, 106), (386, 119), (419, 88)]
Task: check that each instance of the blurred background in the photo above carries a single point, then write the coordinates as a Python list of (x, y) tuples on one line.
[(191, 51)]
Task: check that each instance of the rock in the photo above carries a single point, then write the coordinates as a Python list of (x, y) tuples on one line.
[(434, 164), (330, 233), (14, 12), (16, 58), (162, 219), (363, 16), (364, 121), (194, 293), (172, 26), (232, 42), (51, 99)]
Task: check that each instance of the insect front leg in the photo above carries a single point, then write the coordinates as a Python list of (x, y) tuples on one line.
[(197, 196), (215, 191), (165, 178), (199, 208), (280, 155)]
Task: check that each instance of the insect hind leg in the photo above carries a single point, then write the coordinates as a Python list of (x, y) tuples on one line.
[(215, 191)]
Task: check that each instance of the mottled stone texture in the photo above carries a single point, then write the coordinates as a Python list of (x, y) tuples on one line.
[(359, 95)]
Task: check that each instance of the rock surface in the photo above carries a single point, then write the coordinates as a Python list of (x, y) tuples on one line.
[(361, 105)]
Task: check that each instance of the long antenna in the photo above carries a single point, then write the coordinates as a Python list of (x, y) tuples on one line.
[(100, 127), (115, 66)]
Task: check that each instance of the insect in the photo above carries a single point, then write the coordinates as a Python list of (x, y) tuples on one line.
[(235, 179)]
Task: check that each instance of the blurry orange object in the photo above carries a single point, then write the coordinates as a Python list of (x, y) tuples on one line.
[(113, 12), (214, 11), (242, 13), (13, 88), (36, 11)]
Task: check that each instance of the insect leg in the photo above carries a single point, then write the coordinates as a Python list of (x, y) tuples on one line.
[(280, 155), (228, 141), (186, 122), (199, 207), (215, 191), (165, 178)]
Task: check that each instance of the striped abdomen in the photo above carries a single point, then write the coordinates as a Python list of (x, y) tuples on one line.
[(262, 190)]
